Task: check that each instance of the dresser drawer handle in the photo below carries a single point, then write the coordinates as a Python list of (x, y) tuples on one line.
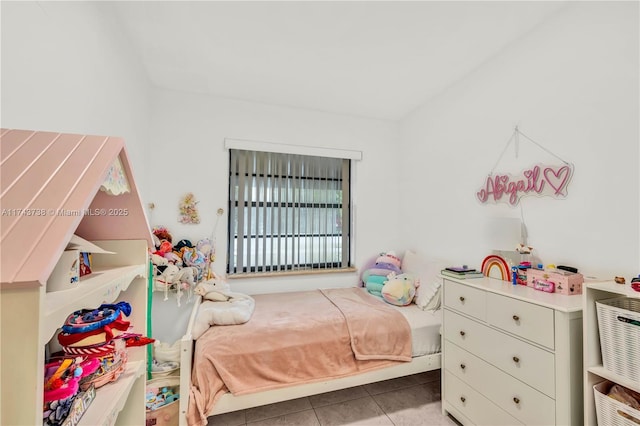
[(463, 366), (516, 359), (516, 400), (463, 399), (462, 298), (516, 318), (462, 333)]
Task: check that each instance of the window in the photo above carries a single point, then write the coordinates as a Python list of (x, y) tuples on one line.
[(287, 212)]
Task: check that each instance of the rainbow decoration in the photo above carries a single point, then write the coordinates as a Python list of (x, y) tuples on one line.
[(493, 261)]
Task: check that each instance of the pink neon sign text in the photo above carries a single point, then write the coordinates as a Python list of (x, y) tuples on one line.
[(540, 180)]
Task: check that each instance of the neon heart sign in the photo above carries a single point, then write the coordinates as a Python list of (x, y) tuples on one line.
[(540, 180)]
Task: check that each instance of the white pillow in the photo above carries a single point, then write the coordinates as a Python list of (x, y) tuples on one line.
[(428, 272)]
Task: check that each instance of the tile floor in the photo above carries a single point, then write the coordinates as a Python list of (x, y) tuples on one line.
[(404, 401)]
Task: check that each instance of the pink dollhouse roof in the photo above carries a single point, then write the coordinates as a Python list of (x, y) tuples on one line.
[(49, 188)]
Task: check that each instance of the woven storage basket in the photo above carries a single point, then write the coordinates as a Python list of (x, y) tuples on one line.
[(619, 326), (611, 412)]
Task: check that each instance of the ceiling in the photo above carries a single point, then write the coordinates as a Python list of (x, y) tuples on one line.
[(379, 59)]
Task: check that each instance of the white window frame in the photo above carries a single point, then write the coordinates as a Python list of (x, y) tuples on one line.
[(248, 264)]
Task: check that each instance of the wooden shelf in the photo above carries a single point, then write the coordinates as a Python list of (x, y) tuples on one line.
[(50, 182), (104, 285), (594, 371), (608, 375), (613, 287), (111, 398)]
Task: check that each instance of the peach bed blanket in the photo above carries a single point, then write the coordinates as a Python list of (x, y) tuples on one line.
[(296, 338)]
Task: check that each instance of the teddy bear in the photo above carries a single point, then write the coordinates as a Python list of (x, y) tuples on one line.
[(400, 289), (376, 276), (214, 289)]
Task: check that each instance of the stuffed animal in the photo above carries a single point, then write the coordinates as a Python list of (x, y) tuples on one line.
[(173, 258), (162, 233), (375, 277), (205, 246), (165, 247), (169, 274), (158, 260), (399, 290), (182, 243), (192, 257), (185, 277), (215, 290)]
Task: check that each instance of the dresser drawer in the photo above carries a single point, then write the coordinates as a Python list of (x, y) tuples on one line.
[(529, 321), (465, 299), (528, 363), (513, 396), (473, 405)]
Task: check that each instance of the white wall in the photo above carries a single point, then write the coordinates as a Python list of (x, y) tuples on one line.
[(188, 155), (572, 86), (66, 68)]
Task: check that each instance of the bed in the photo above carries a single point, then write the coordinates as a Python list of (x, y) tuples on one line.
[(221, 374)]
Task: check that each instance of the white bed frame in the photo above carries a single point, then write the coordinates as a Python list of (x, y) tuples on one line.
[(229, 402)]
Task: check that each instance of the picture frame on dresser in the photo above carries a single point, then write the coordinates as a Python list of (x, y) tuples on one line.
[(511, 355)]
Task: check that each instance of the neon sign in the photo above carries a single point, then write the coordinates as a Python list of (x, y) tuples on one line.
[(540, 180)]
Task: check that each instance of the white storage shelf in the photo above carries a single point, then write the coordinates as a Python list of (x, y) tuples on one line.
[(47, 172), (594, 371), (111, 399), (103, 285)]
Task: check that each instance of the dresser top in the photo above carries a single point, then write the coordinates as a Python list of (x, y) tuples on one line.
[(556, 301)]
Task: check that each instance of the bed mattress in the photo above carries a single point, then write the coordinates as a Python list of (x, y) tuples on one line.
[(425, 329), (296, 338)]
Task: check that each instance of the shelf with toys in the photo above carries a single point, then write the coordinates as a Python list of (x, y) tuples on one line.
[(104, 287), (58, 187), (111, 400)]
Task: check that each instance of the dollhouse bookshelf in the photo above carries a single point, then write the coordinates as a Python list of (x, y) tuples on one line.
[(53, 186)]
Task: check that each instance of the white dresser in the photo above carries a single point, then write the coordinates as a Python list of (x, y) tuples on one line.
[(511, 355)]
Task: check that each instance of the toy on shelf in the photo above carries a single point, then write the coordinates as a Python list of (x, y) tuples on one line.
[(554, 280), (519, 273), (162, 396), (100, 334), (496, 266)]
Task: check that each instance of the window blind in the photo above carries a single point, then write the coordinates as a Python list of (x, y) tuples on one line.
[(287, 212)]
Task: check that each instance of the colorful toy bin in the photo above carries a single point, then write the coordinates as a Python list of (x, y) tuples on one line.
[(163, 401)]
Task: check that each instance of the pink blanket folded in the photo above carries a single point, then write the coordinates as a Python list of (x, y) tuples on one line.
[(376, 331)]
